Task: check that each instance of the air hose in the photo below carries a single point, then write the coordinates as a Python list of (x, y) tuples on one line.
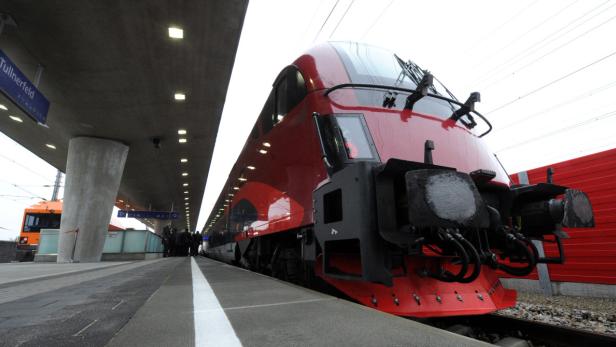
[(476, 260), (520, 271), (445, 275)]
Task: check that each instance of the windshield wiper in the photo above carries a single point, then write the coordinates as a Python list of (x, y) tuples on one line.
[(427, 81), (468, 106), (466, 109)]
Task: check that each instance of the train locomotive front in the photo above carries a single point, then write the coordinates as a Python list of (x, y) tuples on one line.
[(364, 170)]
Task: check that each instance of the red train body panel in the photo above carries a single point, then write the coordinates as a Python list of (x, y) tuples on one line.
[(363, 170)]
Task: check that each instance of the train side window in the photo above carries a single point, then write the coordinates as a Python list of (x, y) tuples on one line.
[(332, 143), (243, 214), (290, 91), (297, 89), (282, 100), (254, 134), (267, 114)]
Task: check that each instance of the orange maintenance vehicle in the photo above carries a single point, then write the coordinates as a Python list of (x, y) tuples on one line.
[(42, 215)]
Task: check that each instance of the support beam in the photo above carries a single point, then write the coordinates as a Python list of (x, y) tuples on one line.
[(93, 173), (542, 269)]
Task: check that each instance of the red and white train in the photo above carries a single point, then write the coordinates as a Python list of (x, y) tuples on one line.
[(363, 170)]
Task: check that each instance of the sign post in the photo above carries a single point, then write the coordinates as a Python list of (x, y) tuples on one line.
[(148, 214), (23, 93)]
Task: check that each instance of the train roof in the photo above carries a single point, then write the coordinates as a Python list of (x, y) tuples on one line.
[(46, 206)]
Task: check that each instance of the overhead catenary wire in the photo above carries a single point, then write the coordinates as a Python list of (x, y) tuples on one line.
[(377, 19), (18, 196), (325, 21), (599, 118), (541, 43), (341, 18), (552, 82), (23, 189), (27, 191), (505, 23), (552, 51), (26, 168), (314, 14), (557, 155), (574, 99), (537, 26)]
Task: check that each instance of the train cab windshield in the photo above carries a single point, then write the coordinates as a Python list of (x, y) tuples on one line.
[(367, 64), (34, 222)]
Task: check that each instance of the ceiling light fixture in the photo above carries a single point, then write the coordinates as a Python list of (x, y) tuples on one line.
[(182, 132), (182, 140), (176, 33), (250, 167), (266, 144), (183, 160), (184, 174), (243, 179), (185, 184), (49, 145), (17, 119), (262, 151), (236, 188), (186, 192), (186, 203), (186, 198), (2, 107), (179, 96)]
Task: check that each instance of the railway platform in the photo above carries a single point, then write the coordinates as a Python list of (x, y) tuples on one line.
[(187, 302)]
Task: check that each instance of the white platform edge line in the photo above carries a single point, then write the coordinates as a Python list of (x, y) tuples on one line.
[(212, 327)]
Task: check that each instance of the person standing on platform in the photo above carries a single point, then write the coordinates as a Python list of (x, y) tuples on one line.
[(166, 240), (186, 242), (172, 243), (194, 246)]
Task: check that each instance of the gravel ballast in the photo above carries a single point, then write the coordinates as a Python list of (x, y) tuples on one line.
[(592, 314)]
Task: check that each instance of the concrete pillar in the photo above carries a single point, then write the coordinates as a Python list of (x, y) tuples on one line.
[(93, 173)]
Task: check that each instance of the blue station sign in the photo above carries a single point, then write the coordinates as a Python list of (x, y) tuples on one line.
[(148, 214), (16, 86)]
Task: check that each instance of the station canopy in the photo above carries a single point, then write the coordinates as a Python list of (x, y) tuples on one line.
[(110, 69)]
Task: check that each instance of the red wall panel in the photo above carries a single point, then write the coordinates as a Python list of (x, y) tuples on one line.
[(590, 253)]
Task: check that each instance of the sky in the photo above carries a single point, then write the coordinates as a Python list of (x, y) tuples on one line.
[(26, 179), (544, 68)]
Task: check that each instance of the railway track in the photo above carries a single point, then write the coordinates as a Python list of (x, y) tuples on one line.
[(515, 332)]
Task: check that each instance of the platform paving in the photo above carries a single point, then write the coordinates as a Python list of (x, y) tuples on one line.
[(18, 272), (193, 302)]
